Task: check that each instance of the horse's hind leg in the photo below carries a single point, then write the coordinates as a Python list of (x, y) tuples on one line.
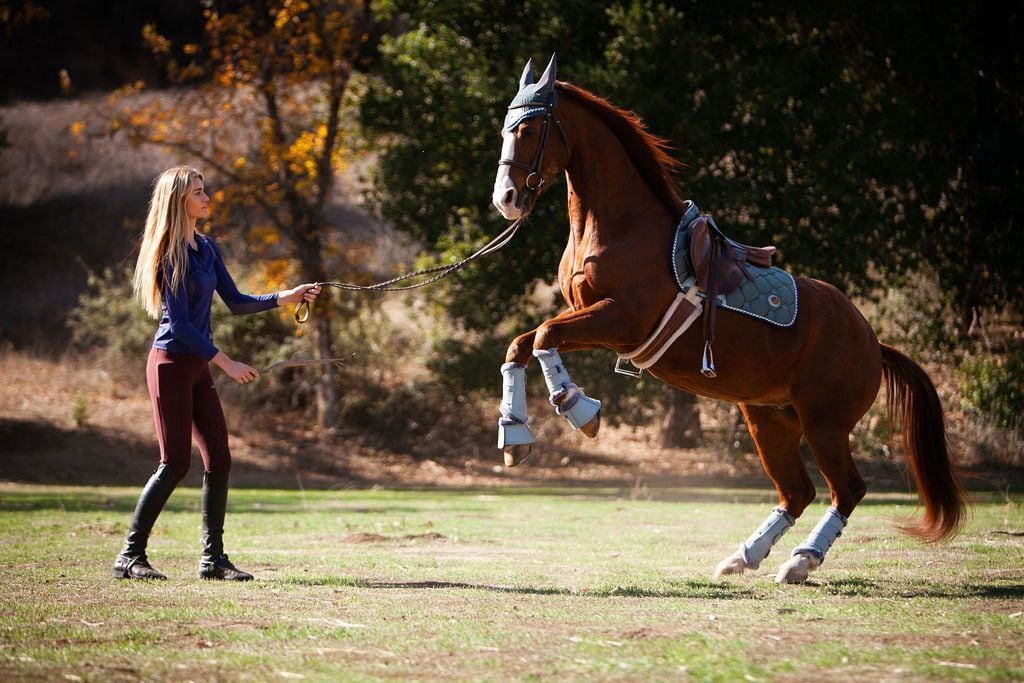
[(776, 432), (830, 444)]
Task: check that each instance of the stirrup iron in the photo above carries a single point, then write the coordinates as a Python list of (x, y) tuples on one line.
[(707, 365)]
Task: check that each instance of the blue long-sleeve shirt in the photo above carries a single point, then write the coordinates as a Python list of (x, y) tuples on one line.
[(185, 324)]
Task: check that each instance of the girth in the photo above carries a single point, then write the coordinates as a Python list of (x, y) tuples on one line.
[(719, 266)]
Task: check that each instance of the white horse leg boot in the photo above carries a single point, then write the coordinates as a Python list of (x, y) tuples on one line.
[(583, 412), (514, 436), (753, 550), (809, 555)]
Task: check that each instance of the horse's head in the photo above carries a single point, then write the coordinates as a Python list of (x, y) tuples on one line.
[(527, 160)]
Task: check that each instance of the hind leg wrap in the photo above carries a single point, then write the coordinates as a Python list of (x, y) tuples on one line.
[(823, 535), (809, 555), (760, 543), (753, 550), (512, 425), (567, 398)]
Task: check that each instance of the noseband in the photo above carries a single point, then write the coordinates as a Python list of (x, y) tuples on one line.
[(533, 170)]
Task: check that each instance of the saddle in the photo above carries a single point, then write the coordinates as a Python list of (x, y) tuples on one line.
[(712, 270), (720, 266)]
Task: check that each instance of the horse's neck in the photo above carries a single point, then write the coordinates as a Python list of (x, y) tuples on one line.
[(606, 193)]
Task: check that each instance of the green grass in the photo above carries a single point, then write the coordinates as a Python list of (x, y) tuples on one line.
[(501, 585)]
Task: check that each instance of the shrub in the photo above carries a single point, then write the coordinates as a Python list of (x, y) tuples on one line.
[(993, 387), (109, 325), (915, 316)]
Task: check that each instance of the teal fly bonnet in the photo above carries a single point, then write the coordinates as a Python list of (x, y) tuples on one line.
[(533, 99)]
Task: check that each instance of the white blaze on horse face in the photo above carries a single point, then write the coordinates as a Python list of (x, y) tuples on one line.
[(505, 196)]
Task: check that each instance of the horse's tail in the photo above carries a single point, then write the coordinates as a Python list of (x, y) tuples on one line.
[(914, 403)]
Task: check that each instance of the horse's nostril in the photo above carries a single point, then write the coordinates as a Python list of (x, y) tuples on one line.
[(509, 195)]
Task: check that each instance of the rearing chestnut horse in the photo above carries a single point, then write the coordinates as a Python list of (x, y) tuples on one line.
[(812, 380)]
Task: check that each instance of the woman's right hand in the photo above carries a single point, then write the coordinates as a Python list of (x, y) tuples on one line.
[(240, 372)]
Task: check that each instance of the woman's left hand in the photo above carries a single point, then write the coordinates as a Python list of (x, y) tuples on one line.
[(307, 292)]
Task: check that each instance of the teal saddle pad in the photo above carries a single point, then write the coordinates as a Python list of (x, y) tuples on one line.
[(769, 294)]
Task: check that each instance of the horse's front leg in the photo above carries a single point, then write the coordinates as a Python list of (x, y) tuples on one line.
[(514, 436), (605, 323), (515, 439)]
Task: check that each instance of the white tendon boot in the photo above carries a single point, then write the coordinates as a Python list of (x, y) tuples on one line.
[(583, 412), (753, 550), (514, 436), (809, 555)]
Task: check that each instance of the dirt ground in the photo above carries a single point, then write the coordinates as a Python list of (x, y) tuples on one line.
[(68, 423)]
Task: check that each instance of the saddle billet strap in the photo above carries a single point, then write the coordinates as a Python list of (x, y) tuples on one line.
[(719, 269)]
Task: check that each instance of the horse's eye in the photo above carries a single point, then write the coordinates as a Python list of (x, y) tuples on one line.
[(525, 133)]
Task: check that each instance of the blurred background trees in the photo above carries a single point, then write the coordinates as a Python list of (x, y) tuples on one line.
[(878, 145)]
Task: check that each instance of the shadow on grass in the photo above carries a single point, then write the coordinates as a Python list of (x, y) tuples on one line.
[(861, 587), (682, 589), (88, 502)]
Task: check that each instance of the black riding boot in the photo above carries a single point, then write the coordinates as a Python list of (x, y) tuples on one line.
[(214, 564), (132, 562)]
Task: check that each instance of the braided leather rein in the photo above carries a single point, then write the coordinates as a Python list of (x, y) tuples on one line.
[(302, 311)]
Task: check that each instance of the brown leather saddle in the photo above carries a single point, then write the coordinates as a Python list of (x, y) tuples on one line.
[(720, 266)]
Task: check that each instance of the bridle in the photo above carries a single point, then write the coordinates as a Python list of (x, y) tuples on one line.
[(533, 170)]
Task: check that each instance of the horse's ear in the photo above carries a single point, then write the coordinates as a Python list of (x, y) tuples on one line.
[(527, 77), (547, 81)]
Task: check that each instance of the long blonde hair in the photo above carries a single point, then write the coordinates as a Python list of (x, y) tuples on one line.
[(165, 238)]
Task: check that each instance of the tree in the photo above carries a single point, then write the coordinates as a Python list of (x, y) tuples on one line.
[(263, 113)]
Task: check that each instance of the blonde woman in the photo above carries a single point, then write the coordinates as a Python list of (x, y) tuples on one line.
[(177, 272)]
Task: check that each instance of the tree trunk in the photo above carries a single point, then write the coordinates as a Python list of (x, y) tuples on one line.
[(681, 426), (326, 390), (312, 263)]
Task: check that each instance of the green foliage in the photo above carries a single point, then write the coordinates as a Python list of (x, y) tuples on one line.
[(843, 142), (786, 125), (916, 316), (109, 325), (80, 410), (994, 387)]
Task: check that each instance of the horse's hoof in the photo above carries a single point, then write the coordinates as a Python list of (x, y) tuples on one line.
[(592, 427), (734, 564), (515, 455), (797, 568)]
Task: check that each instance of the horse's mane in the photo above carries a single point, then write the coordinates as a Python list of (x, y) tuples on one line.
[(648, 152)]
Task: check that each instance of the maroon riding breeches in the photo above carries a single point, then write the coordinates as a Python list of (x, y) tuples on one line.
[(186, 406)]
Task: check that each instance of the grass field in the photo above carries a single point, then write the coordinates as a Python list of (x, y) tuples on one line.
[(502, 584)]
